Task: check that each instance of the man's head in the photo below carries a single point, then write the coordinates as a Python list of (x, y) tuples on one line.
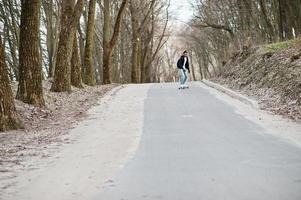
[(185, 53)]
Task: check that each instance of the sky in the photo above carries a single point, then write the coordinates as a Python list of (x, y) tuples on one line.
[(181, 10)]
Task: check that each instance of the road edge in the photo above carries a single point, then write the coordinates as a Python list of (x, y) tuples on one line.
[(231, 93), (275, 125)]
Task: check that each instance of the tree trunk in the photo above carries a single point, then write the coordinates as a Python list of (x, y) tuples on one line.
[(281, 19), (106, 43), (134, 71), (192, 67), (8, 116), (144, 57), (107, 62), (11, 30), (285, 31), (138, 25), (88, 60), (268, 23), (135, 41), (50, 37), (146, 76), (69, 21), (30, 88), (109, 45), (200, 68), (76, 75)]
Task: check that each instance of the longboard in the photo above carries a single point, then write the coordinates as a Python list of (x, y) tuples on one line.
[(183, 88)]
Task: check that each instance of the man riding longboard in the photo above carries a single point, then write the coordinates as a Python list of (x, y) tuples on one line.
[(183, 66)]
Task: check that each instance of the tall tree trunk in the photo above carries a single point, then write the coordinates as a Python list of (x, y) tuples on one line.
[(192, 67), (134, 71), (76, 74), (284, 24), (146, 75), (123, 59), (281, 19), (135, 40), (69, 21), (297, 14), (88, 58), (294, 15), (106, 43), (30, 88), (107, 62), (144, 57), (48, 9), (138, 25), (268, 23), (200, 68), (8, 116), (81, 44), (12, 31), (109, 45)]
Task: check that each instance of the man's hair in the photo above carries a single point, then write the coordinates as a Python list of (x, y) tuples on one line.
[(185, 52)]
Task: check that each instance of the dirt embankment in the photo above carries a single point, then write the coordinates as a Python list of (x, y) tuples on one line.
[(271, 74), (44, 127)]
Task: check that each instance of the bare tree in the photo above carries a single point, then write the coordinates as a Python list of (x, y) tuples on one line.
[(8, 116), (109, 44), (69, 21), (139, 20), (30, 88), (88, 58), (76, 75), (52, 20)]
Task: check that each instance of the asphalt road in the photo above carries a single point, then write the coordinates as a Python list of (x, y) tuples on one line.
[(196, 147)]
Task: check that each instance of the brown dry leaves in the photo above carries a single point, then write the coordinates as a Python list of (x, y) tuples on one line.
[(273, 78)]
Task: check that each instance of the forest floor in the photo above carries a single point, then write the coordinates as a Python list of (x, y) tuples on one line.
[(271, 74), (44, 128)]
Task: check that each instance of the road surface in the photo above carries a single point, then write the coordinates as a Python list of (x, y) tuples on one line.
[(195, 147), (192, 146)]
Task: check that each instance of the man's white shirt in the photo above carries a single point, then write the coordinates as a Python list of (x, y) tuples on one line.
[(185, 60)]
